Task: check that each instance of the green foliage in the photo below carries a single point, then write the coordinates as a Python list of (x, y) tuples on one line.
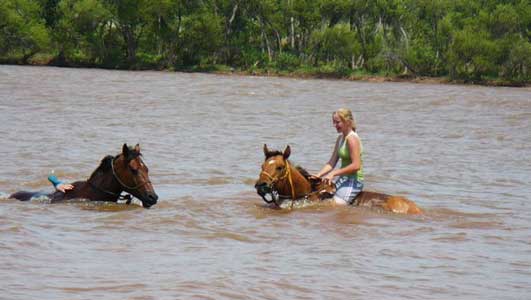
[(22, 30), (85, 31), (422, 58), (333, 69), (333, 10), (334, 44), (473, 40), (202, 37), (287, 61), (472, 55), (252, 58), (518, 65)]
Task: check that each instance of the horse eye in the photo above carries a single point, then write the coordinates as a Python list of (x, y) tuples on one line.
[(134, 171), (280, 168)]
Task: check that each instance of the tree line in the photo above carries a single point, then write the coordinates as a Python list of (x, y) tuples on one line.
[(470, 40)]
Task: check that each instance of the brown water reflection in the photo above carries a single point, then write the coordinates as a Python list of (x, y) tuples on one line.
[(460, 152)]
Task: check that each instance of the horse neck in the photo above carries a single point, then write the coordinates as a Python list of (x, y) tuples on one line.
[(105, 186), (300, 185)]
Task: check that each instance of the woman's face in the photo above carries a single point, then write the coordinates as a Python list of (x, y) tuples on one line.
[(339, 124)]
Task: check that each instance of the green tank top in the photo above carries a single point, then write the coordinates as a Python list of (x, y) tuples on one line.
[(344, 155)]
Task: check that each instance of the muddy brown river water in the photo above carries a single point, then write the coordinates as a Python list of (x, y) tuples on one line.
[(462, 153)]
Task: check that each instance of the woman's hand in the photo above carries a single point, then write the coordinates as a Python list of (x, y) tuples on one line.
[(64, 187), (328, 178)]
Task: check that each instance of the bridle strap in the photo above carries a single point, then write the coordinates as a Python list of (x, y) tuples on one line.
[(275, 180), (128, 198), (123, 184)]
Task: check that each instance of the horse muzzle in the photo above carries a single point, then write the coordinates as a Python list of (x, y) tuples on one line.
[(263, 188), (150, 200)]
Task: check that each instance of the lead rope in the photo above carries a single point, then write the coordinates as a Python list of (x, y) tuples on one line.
[(288, 170)]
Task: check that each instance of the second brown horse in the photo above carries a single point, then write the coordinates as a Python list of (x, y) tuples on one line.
[(125, 172), (282, 181)]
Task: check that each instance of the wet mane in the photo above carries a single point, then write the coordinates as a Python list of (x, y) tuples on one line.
[(106, 162), (105, 165), (273, 153), (303, 172)]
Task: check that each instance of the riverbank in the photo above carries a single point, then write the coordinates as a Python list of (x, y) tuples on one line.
[(356, 76), (303, 72)]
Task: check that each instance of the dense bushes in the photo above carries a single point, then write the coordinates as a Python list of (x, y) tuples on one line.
[(472, 40)]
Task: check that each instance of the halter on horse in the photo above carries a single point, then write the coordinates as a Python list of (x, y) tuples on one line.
[(115, 174), (282, 181)]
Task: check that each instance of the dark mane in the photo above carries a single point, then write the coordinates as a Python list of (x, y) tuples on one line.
[(303, 171), (105, 165), (273, 153), (132, 155)]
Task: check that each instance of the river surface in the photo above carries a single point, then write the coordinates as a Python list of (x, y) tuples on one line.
[(462, 153)]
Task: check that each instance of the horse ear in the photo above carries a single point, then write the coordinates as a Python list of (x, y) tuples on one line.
[(137, 148), (125, 151), (266, 151), (287, 152)]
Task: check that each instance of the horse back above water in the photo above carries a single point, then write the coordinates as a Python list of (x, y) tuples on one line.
[(125, 172), (279, 179)]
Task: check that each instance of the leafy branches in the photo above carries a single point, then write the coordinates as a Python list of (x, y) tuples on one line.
[(465, 40)]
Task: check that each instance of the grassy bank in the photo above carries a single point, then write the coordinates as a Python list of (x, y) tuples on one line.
[(353, 75), (307, 72)]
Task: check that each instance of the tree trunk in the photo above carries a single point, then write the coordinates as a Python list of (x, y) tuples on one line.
[(292, 33), (279, 40), (265, 39), (231, 19), (130, 43)]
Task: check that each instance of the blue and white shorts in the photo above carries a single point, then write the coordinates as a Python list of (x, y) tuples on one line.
[(347, 188)]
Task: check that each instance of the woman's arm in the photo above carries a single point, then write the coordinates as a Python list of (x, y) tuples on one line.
[(331, 162), (58, 185), (354, 149)]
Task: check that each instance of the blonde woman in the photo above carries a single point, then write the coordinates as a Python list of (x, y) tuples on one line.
[(348, 178)]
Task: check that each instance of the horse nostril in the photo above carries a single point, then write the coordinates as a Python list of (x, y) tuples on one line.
[(153, 197), (262, 188)]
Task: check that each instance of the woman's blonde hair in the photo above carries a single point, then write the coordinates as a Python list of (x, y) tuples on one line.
[(346, 116)]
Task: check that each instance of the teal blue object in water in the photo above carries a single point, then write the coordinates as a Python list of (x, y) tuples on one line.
[(53, 179)]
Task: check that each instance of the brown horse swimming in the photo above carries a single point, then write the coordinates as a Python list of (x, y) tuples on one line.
[(125, 172), (282, 181)]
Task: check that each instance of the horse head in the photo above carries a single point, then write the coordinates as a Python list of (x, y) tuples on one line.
[(132, 173), (280, 179), (274, 168)]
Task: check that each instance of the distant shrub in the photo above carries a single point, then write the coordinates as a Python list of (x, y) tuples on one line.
[(286, 61)]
